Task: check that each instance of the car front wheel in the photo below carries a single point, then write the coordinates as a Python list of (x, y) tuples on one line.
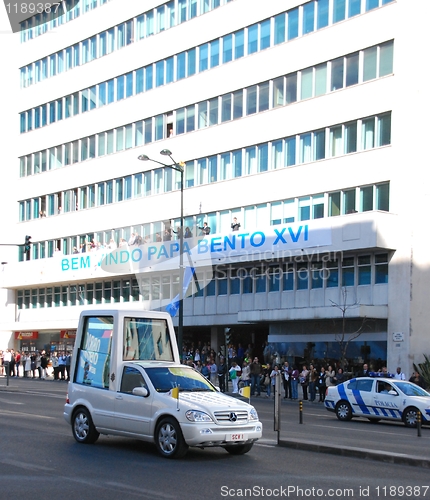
[(239, 449), (343, 411), (83, 428), (169, 439), (410, 416)]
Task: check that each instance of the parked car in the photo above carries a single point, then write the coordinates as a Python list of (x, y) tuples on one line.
[(379, 399)]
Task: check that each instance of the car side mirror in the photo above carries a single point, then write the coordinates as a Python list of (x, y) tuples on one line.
[(393, 393), (140, 391)]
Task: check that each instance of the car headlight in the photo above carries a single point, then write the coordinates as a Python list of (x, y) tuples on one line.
[(198, 416), (253, 415)]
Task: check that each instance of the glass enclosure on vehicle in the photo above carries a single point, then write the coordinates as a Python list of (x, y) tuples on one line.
[(146, 339), (94, 352), (142, 339)]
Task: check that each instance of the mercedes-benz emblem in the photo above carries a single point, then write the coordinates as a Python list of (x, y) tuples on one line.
[(232, 417)]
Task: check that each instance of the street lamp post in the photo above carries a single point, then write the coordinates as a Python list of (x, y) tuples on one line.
[(179, 168)]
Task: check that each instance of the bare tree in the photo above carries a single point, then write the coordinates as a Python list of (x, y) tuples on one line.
[(343, 338)]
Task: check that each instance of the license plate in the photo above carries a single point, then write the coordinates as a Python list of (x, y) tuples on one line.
[(237, 437)]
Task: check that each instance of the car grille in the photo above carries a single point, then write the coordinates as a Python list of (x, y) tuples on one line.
[(224, 417)]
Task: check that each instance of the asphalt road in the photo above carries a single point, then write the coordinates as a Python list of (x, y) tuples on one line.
[(40, 459)]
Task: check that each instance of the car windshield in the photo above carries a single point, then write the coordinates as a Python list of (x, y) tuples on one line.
[(166, 378), (411, 389)]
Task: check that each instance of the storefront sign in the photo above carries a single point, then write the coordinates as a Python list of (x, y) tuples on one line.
[(26, 335), (67, 334)]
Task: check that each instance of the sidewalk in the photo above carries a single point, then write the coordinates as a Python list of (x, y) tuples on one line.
[(322, 432)]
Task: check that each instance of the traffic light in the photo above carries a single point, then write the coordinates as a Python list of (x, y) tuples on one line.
[(227, 332), (27, 244)]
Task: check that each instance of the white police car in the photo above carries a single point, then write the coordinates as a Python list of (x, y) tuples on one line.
[(379, 398)]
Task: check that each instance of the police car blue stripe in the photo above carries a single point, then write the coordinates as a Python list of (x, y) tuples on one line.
[(360, 402), (342, 394), (375, 410)]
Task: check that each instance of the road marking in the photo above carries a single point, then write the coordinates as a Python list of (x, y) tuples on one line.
[(23, 465), (146, 493), (10, 402), (21, 414), (266, 445), (36, 393)]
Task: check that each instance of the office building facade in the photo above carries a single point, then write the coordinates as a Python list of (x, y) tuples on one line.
[(296, 118)]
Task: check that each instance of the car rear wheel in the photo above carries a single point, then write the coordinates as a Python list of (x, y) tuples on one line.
[(410, 416), (239, 449), (83, 428), (343, 411), (169, 439)]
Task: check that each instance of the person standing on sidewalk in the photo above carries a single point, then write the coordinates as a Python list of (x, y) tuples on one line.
[(213, 368), (7, 359), (43, 364), (39, 364), (26, 363), (313, 377), (62, 366), (17, 362), (222, 370), (255, 369), (286, 379), (304, 382), (55, 365), (67, 369), (267, 380), (246, 374), (12, 364), (295, 383), (233, 372), (321, 384), (274, 376)]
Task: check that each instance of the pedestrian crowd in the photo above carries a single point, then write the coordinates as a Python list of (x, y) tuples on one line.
[(235, 365), (38, 365), (169, 233)]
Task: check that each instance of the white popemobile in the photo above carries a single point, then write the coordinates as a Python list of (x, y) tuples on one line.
[(126, 381), (377, 399)]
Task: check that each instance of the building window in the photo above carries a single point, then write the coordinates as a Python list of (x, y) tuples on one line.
[(275, 276), (302, 275), (364, 270), (332, 274), (317, 275), (348, 271), (381, 268)]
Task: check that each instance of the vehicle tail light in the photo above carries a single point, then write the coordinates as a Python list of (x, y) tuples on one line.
[(67, 399)]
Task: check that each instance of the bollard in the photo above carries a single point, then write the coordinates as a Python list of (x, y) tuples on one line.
[(300, 412), (418, 423), (6, 366)]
